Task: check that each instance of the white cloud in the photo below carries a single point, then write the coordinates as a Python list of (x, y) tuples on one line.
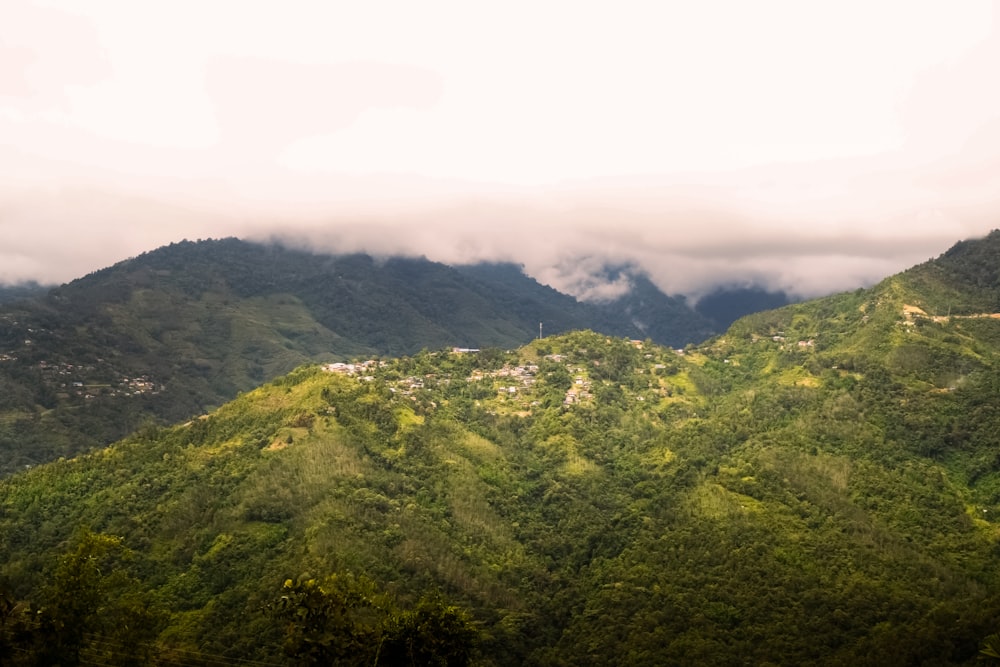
[(806, 147)]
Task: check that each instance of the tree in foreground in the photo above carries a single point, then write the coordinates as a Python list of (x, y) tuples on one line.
[(345, 620)]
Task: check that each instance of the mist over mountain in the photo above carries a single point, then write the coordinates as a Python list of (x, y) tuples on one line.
[(634, 307), (372, 141), (176, 331), (723, 306), (24, 290), (817, 485), (549, 334)]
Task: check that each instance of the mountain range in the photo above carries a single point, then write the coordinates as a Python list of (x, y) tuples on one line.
[(819, 484), (174, 332)]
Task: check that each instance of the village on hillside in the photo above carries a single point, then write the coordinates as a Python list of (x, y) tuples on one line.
[(510, 383)]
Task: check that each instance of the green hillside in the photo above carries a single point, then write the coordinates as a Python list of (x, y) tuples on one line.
[(183, 329), (820, 485)]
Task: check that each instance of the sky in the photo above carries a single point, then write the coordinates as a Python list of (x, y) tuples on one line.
[(808, 147)]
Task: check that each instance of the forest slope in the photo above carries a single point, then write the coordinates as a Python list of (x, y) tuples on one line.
[(820, 485), (773, 496), (182, 329)]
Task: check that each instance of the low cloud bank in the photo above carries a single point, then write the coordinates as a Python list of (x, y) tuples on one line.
[(339, 136), (806, 232)]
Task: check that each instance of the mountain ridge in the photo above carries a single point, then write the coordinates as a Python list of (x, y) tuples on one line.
[(185, 327), (817, 485)]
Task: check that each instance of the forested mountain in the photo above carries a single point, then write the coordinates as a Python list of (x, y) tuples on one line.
[(642, 312), (179, 330), (819, 485), (725, 305), (20, 291)]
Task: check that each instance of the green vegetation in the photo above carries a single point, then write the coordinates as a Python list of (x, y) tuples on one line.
[(20, 291), (820, 485), (344, 620), (585, 499), (178, 331)]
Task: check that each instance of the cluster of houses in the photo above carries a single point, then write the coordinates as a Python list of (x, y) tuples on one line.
[(781, 340), (363, 371), (580, 391), (513, 378), (64, 373), (361, 368), (137, 386), (10, 356), (511, 381), (410, 384), (72, 379), (63, 368)]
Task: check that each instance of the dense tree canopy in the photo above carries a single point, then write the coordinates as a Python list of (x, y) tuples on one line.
[(820, 485)]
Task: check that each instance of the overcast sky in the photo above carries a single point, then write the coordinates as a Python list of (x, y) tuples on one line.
[(804, 146)]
